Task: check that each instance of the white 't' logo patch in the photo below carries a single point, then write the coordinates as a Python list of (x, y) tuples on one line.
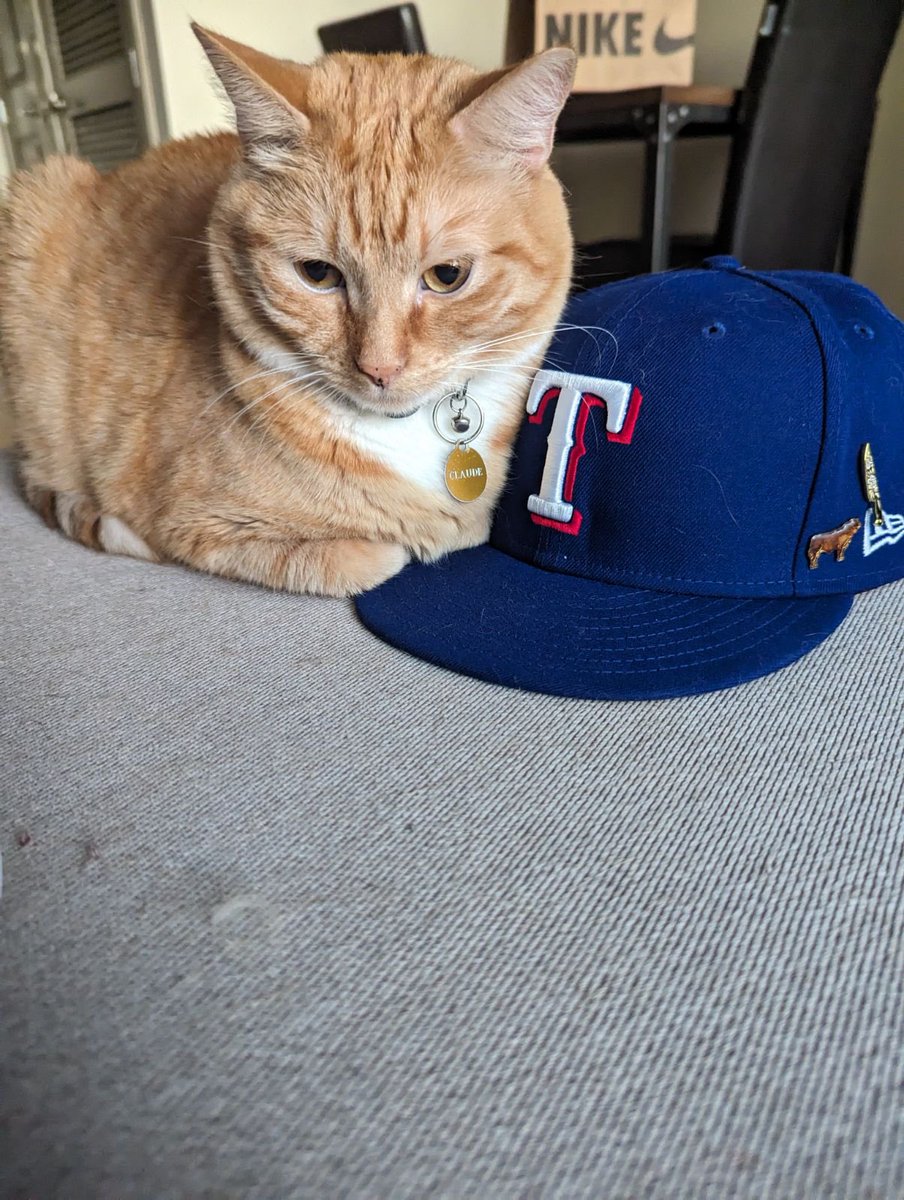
[(574, 396)]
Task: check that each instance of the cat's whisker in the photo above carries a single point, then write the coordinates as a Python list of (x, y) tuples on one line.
[(318, 387), (302, 386), (259, 417), (501, 355), (561, 327), (522, 373), (244, 412), (266, 373), (293, 381), (513, 337), (209, 245), (590, 330), (505, 352), (528, 372), (232, 388), (267, 446)]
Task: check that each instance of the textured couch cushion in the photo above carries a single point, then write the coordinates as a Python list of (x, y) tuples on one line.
[(299, 916)]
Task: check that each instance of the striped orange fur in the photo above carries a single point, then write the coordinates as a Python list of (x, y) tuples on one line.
[(182, 394)]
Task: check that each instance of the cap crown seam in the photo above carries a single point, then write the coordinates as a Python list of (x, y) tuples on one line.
[(784, 289)]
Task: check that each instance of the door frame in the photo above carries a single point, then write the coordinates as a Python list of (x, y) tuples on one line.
[(144, 60)]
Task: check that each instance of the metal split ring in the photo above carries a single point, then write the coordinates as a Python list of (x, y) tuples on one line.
[(465, 400)]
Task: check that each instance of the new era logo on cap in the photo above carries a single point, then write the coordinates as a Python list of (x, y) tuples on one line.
[(686, 508), (888, 534)]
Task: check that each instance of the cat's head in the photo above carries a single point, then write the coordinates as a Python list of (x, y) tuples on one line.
[(394, 227)]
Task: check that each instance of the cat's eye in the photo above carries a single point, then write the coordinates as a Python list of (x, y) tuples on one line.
[(446, 277), (319, 275)]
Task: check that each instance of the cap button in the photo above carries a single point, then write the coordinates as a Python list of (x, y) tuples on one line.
[(722, 262)]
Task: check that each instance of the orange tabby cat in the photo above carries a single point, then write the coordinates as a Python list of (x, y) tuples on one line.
[(227, 354)]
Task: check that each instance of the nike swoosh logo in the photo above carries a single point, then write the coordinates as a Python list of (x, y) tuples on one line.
[(664, 44)]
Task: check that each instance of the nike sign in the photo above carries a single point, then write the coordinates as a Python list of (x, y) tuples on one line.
[(663, 43)]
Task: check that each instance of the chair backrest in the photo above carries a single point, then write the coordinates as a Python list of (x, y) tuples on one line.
[(806, 117), (381, 32)]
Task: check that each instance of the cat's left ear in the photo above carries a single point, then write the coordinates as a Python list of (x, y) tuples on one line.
[(270, 127), (515, 116)]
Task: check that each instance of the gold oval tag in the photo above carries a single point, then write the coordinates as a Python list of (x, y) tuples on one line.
[(466, 474)]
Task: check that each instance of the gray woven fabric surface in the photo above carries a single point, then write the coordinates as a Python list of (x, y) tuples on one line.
[(300, 916)]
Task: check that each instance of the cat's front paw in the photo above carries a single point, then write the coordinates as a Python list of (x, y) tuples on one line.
[(465, 537), (362, 565)]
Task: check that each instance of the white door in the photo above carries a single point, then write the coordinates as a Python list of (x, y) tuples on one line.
[(69, 80)]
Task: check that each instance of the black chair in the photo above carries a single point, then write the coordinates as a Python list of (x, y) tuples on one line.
[(385, 31), (800, 131), (799, 155)]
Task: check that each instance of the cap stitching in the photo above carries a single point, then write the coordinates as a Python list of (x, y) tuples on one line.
[(644, 575), (704, 623), (696, 660), (671, 578), (854, 578)]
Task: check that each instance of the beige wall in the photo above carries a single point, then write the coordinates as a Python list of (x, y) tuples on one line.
[(879, 261)]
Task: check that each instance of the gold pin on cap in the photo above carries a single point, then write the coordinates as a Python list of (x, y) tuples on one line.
[(871, 483)]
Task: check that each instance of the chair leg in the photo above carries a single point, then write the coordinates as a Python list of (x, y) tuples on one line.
[(848, 240), (658, 190)]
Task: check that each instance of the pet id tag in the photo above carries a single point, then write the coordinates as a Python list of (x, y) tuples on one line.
[(466, 473)]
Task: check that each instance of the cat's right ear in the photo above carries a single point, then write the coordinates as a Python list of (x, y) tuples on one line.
[(270, 128), (514, 113)]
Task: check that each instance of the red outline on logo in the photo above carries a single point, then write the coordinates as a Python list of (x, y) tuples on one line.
[(579, 449), (550, 394)]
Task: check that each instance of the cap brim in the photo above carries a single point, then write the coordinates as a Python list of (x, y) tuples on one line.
[(483, 613)]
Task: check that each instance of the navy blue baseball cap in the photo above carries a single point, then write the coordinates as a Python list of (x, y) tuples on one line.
[(692, 502)]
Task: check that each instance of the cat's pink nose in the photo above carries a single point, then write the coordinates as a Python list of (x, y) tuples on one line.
[(380, 373)]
